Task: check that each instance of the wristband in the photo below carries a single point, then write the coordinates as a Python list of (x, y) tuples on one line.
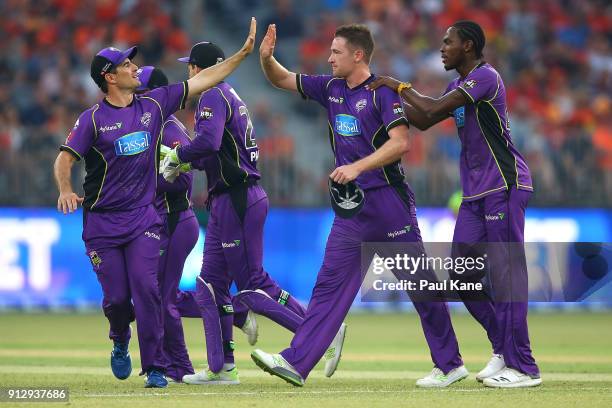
[(402, 86)]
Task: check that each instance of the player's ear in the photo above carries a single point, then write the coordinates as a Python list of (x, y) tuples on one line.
[(468, 45), (110, 78), (359, 55)]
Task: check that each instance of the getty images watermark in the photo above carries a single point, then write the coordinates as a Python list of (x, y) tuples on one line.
[(422, 267), (498, 271)]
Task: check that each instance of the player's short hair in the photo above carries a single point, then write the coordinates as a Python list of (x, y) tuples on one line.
[(102, 84), (469, 30), (358, 35)]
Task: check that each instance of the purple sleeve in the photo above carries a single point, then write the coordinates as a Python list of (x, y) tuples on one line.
[(174, 134), (182, 183), (170, 98), (449, 87), (390, 107), (210, 118), (314, 87), (482, 83), (81, 137)]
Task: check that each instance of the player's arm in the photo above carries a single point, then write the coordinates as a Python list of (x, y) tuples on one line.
[(278, 75), (390, 152), (211, 116), (68, 200), (420, 120), (211, 76), (423, 111)]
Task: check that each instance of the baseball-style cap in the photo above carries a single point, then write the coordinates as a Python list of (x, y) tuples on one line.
[(107, 59), (151, 78), (346, 199), (204, 54)]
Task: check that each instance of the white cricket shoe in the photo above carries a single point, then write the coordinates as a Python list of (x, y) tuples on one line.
[(250, 328), (495, 365), (511, 378), (437, 379), (207, 377), (334, 352), (275, 364)]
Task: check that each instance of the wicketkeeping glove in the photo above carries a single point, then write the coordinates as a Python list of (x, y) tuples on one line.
[(171, 166)]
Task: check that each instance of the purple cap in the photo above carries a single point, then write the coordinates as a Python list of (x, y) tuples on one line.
[(116, 56), (107, 59), (144, 74)]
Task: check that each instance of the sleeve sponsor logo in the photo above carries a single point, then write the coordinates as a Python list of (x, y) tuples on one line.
[(132, 144), (469, 84), (397, 109), (347, 125), (206, 113), (76, 125), (459, 115)]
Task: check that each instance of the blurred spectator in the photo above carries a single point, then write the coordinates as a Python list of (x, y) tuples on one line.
[(555, 58)]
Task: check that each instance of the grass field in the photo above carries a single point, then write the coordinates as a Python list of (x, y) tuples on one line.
[(383, 355)]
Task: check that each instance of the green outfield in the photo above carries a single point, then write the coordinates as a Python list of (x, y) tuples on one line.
[(383, 356)]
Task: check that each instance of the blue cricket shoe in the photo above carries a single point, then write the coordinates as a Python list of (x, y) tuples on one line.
[(155, 379), (121, 362)]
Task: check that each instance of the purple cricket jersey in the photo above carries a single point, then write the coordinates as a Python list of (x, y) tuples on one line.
[(358, 122), (120, 146), (174, 197), (224, 144), (489, 161)]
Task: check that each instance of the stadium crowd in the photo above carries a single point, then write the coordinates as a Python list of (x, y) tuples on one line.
[(554, 56)]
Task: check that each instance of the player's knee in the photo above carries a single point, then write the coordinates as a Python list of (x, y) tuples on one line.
[(117, 303)]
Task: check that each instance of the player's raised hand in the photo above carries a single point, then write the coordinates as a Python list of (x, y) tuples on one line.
[(384, 81), (249, 44), (266, 49), (68, 202)]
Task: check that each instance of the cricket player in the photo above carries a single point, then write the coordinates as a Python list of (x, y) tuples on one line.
[(178, 234), (369, 134), (119, 138), (226, 147), (496, 188)]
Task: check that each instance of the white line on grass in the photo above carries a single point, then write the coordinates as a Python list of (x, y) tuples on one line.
[(340, 374), (323, 392)]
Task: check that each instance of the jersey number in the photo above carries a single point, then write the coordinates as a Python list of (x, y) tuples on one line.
[(249, 141)]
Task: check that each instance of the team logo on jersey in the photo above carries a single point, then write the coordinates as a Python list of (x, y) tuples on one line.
[(132, 143), (94, 258), (360, 105), (397, 108), (459, 115), (206, 113), (108, 128), (336, 100), (146, 119), (347, 125), (469, 84)]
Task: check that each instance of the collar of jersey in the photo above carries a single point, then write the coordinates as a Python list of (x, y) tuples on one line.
[(361, 85), (110, 105)]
